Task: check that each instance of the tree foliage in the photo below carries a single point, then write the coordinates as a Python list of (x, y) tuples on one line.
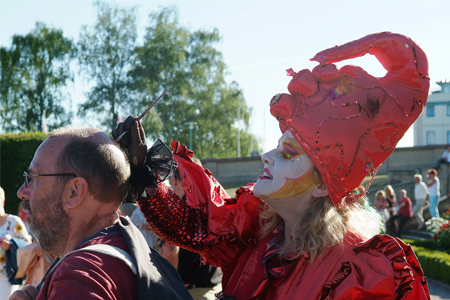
[(34, 72), (189, 64), (106, 55), (127, 77), (17, 152)]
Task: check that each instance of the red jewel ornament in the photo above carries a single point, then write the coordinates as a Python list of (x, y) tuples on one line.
[(348, 121), (290, 72)]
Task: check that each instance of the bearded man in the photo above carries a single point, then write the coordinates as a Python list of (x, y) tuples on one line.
[(73, 189)]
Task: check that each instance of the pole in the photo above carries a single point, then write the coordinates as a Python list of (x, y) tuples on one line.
[(251, 130), (190, 137), (191, 126), (239, 134)]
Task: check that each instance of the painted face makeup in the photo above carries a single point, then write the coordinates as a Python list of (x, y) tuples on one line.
[(287, 171)]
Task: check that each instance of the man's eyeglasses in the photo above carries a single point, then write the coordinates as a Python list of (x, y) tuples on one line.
[(28, 176)]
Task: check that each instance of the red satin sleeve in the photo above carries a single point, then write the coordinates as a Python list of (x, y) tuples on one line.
[(382, 268)]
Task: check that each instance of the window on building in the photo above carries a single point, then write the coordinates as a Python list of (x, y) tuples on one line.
[(430, 111), (448, 110), (431, 138)]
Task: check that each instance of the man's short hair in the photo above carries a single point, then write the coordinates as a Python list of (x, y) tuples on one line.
[(97, 161), (404, 191), (418, 176)]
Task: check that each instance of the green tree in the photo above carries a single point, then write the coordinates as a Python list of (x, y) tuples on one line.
[(189, 64), (106, 56), (34, 72), (9, 88)]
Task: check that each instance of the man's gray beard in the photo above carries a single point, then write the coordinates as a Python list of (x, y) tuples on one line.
[(53, 226)]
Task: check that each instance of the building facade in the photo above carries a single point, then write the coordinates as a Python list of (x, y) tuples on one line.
[(433, 126)]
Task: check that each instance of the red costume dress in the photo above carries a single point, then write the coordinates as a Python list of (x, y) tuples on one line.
[(224, 231)]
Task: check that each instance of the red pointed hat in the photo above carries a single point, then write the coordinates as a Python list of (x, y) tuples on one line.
[(348, 121)]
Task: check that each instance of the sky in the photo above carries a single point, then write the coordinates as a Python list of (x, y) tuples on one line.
[(261, 39)]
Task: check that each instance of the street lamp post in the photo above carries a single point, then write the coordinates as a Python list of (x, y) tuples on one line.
[(191, 126), (239, 134)]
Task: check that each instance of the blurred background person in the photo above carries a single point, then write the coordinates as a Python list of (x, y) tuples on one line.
[(391, 200), (33, 261), (421, 195), (23, 216), (138, 219), (381, 205), (403, 214), (433, 185), (10, 227), (128, 208), (444, 159)]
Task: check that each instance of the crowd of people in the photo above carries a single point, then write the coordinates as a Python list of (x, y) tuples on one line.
[(392, 211), (12, 232), (294, 233)]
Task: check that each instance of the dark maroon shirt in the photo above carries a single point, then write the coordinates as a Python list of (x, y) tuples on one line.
[(405, 210), (91, 275)]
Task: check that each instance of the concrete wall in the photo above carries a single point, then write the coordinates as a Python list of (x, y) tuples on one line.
[(400, 166), (235, 170), (405, 162)]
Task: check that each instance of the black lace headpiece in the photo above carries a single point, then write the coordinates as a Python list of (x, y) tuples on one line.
[(159, 166)]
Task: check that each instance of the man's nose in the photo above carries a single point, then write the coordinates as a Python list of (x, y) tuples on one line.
[(23, 192)]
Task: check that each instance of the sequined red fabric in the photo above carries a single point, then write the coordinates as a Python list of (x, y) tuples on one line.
[(348, 121), (174, 220)]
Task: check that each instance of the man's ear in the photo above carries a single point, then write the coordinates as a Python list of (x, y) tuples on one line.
[(320, 191), (76, 190)]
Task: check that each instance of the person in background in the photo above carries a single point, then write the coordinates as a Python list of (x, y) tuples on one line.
[(391, 200), (433, 185), (23, 216), (381, 205), (421, 195), (33, 262), (391, 209), (72, 190), (444, 159), (404, 213), (138, 219), (10, 227), (300, 232), (128, 208)]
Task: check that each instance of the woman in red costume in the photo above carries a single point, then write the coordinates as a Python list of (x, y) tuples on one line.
[(300, 232)]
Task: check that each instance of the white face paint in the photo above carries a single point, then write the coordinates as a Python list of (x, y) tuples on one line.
[(287, 171)]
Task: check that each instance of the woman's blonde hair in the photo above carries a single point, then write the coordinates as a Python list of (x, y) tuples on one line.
[(322, 225), (390, 189), (380, 192)]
